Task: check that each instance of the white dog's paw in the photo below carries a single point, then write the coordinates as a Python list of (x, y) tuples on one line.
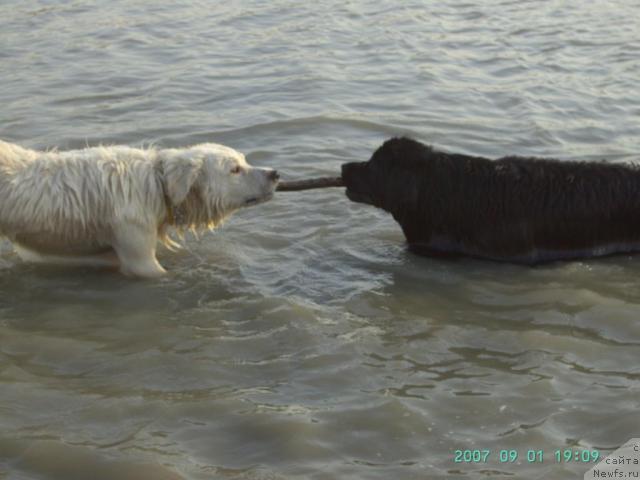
[(143, 270)]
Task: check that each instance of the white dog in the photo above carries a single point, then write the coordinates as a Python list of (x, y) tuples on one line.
[(109, 206)]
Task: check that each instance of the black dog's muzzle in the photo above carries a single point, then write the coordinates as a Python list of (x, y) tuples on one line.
[(355, 176)]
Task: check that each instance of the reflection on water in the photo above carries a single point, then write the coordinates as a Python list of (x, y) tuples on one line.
[(302, 340)]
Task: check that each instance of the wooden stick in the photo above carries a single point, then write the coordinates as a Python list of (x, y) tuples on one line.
[(322, 182)]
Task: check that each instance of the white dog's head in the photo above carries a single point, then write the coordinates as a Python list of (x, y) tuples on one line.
[(211, 181)]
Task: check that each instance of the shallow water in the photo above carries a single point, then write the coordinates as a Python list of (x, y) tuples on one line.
[(302, 340)]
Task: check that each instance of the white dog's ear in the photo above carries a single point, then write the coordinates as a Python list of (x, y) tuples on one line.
[(181, 169)]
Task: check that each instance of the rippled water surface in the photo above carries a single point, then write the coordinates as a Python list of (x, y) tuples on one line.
[(301, 340)]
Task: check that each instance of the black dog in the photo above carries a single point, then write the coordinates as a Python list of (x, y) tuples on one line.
[(522, 210)]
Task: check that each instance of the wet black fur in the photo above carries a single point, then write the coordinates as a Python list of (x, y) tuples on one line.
[(513, 209)]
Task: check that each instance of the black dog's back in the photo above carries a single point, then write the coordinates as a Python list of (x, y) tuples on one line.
[(512, 209)]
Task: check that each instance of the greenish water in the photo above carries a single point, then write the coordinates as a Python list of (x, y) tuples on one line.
[(301, 340)]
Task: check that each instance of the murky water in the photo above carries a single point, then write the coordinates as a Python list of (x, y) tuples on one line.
[(302, 340)]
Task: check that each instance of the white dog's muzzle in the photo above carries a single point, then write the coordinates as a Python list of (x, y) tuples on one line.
[(268, 179)]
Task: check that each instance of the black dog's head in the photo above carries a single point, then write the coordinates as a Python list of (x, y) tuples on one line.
[(388, 179)]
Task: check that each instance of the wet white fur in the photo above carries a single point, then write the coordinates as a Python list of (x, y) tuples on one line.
[(109, 206)]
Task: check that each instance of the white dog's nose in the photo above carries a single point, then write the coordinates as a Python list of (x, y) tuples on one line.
[(274, 175)]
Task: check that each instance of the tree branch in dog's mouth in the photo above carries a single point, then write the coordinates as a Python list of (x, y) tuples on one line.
[(321, 182)]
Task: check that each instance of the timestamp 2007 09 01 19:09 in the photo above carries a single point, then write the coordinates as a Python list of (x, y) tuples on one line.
[(531, 456)]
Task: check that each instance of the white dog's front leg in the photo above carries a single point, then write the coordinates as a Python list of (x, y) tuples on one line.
[(136, 249)]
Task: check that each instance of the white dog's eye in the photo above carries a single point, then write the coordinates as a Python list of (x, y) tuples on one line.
[(237, 169)]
